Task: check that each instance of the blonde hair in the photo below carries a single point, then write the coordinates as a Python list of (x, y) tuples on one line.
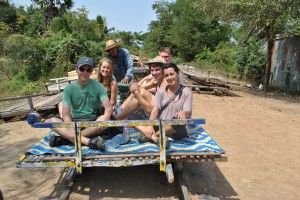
[(100, 78)]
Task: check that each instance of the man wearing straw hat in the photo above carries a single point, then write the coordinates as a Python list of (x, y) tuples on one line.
[(123, 65), (142, 93)]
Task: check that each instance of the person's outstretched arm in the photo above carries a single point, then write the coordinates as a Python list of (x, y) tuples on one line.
[(186, 112), (108, 109), (113, 93), (66, 113), (129, 63)]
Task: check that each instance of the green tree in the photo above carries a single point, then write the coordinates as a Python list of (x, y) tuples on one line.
[(186, 28), (8, 13), (22, 20), (77, 23), (80, 24), (251, 59), (35, 26), (53, 8), (194, 30), (59, 24), (158, 29), (5, 31), (262, 19), (28, 53), (101, 23), (223, 57)]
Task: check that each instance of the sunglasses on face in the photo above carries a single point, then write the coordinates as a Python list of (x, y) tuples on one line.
[(87, 69)]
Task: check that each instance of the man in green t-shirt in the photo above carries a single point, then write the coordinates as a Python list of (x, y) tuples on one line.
[(82, 101)]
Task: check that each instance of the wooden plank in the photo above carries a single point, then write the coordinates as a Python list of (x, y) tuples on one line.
[(56, 80), (57, 87), (21, 105), (206, 80), (129, 123), (20, 97), (52, 100), (202, 86)]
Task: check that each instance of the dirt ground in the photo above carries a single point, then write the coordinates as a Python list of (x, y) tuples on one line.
[(260, 133)]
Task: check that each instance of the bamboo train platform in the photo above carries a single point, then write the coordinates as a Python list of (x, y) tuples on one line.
[(198, 147)]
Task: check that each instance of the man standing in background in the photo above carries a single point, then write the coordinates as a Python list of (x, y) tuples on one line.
[(123, 65), (166, 54)]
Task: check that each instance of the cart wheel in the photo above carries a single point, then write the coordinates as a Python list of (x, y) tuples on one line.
[(70, 174), (178, 167)]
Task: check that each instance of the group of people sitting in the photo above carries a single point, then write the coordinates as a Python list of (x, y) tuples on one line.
[(160, 95)]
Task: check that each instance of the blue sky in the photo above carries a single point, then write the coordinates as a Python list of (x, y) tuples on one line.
[(123, 15)]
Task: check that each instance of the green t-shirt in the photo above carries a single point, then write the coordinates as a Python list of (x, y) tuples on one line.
[(85, 102)]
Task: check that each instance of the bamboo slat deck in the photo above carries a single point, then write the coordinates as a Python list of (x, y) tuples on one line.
[(119, 160)]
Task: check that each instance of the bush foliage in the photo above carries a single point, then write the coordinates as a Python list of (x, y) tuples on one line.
[(222, 58)]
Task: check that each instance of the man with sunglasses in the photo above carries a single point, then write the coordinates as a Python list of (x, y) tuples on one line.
[(81, 102)]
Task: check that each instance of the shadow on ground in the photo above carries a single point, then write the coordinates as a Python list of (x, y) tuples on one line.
[(205, 181), (126, 182)]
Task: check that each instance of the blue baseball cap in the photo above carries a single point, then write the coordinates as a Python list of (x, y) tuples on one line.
[(85, 61)]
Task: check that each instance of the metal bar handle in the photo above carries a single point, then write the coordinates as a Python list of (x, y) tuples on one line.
[(84, 124)]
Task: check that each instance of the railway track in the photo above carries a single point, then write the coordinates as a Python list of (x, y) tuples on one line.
[(71, 177), (174, 172)]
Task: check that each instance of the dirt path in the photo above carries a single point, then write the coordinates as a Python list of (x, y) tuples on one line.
[(261, 137)]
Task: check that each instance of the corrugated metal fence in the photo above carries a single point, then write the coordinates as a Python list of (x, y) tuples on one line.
[(285, 67)]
